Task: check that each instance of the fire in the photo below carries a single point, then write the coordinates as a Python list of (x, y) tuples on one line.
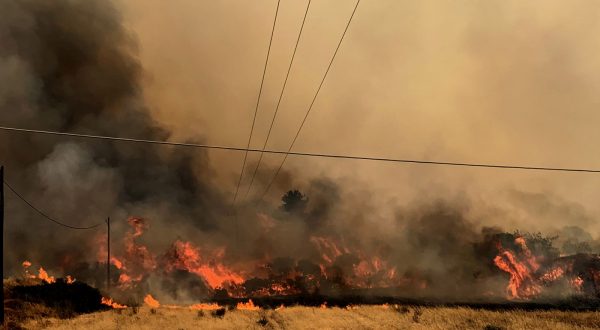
[(137, 261), (528, 277), (203, 306), (103, 251), (247, 306), (329, 249), (109, 302), (370, 271), (521, 283), (577, 283), (335, 265), (553, 275), (26, 264), (186, 256), (43, 275), (151, 302), (529, 258)]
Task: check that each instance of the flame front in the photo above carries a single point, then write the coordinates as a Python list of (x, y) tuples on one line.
[(109, 302), (247, 306), (186, 256), (205, 306)]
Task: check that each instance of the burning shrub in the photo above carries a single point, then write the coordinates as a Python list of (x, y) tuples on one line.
[(533, 264)]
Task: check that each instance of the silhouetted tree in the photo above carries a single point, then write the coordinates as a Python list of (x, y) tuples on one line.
[(294, 201)]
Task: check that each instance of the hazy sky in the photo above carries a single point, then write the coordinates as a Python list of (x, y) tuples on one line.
[(511, 82)]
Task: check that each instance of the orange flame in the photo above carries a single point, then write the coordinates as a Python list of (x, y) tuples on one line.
[(185, 256), (247, 306), (109, 302), (522, 283), (370, 271), (43, 275), (203, 306), (151, 302), (553, 274), (137, 260)]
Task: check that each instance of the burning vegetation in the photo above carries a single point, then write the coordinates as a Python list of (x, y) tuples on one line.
[(535, 274), (517, 266), (491, 266)]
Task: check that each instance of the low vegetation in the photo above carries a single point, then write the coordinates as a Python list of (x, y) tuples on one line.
[(354, 317)]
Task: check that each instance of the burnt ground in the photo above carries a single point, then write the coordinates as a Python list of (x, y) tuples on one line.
[(27, 299)]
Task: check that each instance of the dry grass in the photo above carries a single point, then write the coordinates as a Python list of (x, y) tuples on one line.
[(360, 317)]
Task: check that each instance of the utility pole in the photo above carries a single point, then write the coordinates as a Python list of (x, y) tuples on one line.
[(108, 255), (2, 236)]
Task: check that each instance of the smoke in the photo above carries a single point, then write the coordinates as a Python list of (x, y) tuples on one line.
[(71, 66), (436, 84)]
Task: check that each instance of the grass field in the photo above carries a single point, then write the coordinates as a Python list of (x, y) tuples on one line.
[(358, 317)]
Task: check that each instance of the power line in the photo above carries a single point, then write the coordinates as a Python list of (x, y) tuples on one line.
[(279, 100), (44, 214), (262, 81), (305, 154), (313, 101)]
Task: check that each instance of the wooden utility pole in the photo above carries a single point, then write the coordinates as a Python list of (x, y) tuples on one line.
[(2, 236), (108, 254)]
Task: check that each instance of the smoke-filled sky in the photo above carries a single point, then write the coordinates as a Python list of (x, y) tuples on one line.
[(507, 82), (510, 82)]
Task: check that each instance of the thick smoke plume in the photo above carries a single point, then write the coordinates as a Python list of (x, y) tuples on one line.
[(73, 66)]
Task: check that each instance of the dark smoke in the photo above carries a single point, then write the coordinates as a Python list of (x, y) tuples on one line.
[(71, 66)]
